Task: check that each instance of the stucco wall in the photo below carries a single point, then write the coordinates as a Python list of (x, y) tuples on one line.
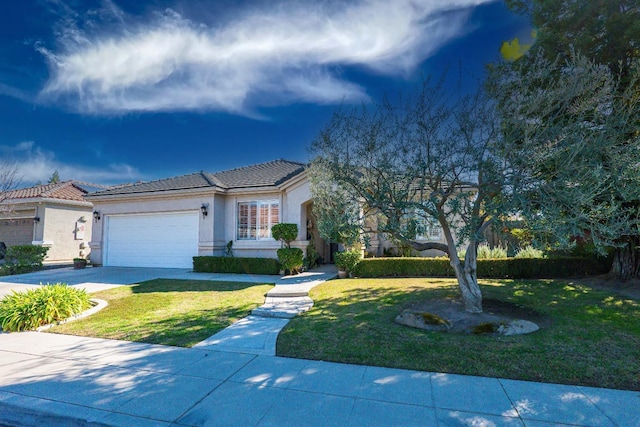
[(59, 232), (220, 238), (296, 198)]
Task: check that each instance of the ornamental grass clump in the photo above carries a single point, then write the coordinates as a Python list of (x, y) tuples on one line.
[(487, 252), (529, 252), (22, 311)]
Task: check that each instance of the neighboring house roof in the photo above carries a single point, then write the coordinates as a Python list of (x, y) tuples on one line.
[(266, 174), (65, 190)]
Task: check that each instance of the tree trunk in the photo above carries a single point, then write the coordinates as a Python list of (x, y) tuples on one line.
[(468, 281), (626, 260)]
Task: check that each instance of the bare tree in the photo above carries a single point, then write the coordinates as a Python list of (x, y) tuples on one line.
[(10, 179), (423, 160)]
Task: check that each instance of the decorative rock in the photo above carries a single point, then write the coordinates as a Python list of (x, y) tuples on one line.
[(518, 327), (423, 320)]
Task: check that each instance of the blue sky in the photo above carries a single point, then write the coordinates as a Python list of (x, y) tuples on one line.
[(116, 91)]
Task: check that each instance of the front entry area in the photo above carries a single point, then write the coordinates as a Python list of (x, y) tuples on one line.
[(167, 240)]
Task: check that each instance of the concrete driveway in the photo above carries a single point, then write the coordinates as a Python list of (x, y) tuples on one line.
[(99, 278)]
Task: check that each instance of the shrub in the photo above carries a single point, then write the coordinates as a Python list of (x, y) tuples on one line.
[(313, 257), (348, 260), (285, 232), (515, 268), (221, 264), (292, 259), (24, 258), (403, 267), (486, 252), (28, 310), (529, 252)]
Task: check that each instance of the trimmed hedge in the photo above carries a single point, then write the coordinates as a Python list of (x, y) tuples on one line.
[(220, 264), (292, 259), (510, 268)]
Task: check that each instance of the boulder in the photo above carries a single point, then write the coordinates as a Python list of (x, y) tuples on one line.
[(517, 327), (423, 320)]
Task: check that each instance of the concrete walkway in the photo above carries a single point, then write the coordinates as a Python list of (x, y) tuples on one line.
[(59, 380), (258, 333)]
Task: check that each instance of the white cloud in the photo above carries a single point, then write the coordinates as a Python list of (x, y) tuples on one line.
[(37, 165), (286, 52)]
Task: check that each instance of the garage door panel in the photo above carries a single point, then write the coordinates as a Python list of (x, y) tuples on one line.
[(165, 240)]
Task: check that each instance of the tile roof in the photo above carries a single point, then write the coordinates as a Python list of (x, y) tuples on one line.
[(264, 174), (65, 190), (261, 175)]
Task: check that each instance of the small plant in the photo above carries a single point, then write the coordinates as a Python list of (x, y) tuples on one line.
[(347, 260), (529, 252), (486, 252), (229, 249), (79, 263), (24, 258), (312, 258), (21, 311), (292, 259)]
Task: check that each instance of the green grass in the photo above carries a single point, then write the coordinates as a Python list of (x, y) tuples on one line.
[(589, 336), (170, 312)]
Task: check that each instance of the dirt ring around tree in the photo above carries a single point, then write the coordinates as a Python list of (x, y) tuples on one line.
[(448, 315)]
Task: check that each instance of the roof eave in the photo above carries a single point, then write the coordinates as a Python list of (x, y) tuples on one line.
[(157, 194), (40, 200)]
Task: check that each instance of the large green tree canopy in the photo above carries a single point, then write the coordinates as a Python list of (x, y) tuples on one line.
[(571, 122)]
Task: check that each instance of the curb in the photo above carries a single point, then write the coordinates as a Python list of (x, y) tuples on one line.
[(99, 305)]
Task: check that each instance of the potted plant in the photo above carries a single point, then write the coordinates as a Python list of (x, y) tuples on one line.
[(346, 261), (79, 263)]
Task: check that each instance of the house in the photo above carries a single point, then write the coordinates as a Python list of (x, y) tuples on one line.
[(165, 223), (54, 215)]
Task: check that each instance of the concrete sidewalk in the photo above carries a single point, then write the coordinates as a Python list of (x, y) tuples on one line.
[(59, 380)]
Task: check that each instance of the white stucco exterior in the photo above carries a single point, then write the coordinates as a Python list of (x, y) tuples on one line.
[(215, 229)]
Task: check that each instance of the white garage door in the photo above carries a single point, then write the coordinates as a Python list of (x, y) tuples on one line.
[(156, 240)]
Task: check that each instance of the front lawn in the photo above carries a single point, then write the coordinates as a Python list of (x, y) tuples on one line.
[(170, 312), (590, 335)]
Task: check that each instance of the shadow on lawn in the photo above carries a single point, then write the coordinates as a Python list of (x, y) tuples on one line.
[(592, 338), (187, 330), (176, 285), (539, 297)]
